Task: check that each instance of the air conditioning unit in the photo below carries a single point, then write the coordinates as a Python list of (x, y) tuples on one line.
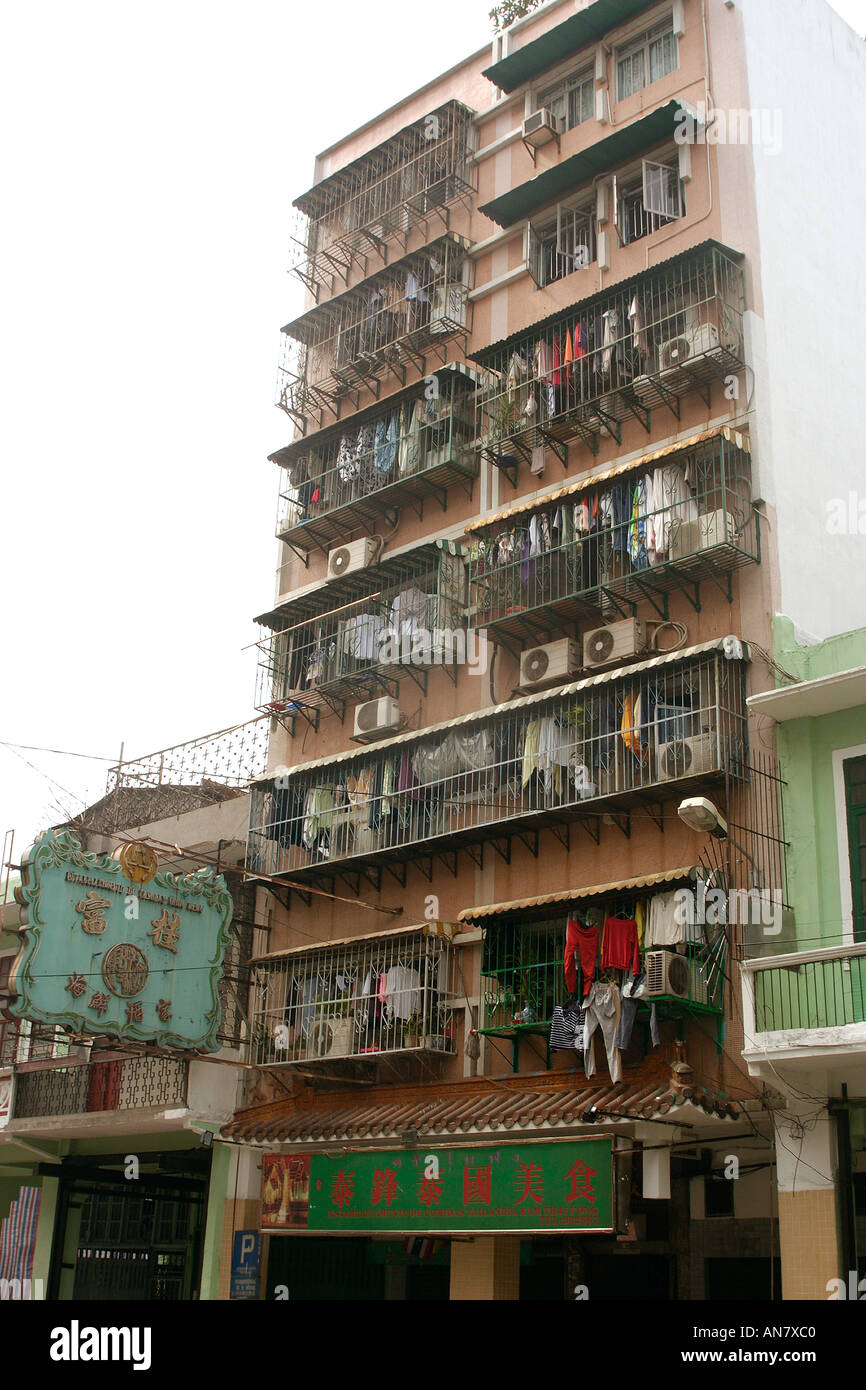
[(546, 665), (376, 718), (605, 646), (686, 757), (331, 1037), (541, 127), (355, 556), (679, 350), (710, 529), (674, 976)]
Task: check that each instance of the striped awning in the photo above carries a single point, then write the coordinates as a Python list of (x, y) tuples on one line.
[(578, 895), (616, 673), (735, 437), (445, 929)]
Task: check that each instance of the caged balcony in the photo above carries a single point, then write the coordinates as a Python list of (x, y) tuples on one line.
[(360, 634), (129, 1083), (634, 736), (354, 475), (383, 328), (592, 550), (412, 180), (647, 343), (364, 999)]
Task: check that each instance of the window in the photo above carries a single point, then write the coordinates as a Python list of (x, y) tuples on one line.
[(572, 99), (718, 1196), (648, 200), (647, 58), (562, 243), (855, 803)]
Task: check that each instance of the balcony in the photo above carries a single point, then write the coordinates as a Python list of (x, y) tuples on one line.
[(362, 1000), (645, 344), (802, 1005), (349, 478), (359, 635), (132, 1083), (594, 549), (411, 180), (637, 735), (383, 328)]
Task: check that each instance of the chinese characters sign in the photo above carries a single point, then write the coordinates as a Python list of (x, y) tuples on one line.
[(564, 1186), (135, 955)]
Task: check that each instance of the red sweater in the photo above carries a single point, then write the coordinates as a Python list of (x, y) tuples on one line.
[(584, 942), (620, 947)]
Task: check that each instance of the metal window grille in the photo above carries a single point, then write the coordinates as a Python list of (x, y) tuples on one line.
[(673, 725), (385, 995), (129, 1084)]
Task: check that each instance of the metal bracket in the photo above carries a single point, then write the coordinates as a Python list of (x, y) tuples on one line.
[(592, 826), (530, 839)]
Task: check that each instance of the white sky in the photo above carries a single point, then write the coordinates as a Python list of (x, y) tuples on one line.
[(149, 159)]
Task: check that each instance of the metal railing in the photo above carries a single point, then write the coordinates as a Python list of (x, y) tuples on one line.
[(615, 540), (355, 999), (424, 442), (670, 331), (229, 756), (387, 324), (656, 728), (406, 181), (810, 989), (133, 1083), (367, 630)]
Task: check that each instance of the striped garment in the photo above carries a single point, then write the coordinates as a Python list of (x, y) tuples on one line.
[(18, 1235), (566, 1030)]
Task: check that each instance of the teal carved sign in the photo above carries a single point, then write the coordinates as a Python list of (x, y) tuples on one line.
[(104, 953)]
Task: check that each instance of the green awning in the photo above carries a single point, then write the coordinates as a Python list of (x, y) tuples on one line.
[(581, 168), (573, 33)]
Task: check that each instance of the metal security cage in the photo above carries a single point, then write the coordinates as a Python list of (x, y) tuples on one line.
[(646, 343), (360, 635), (414, 448), (382, 327), (412, 179), (637, 735), (597, 550), (358, 999)]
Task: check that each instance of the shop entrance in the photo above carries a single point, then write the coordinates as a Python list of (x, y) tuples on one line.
[(350, 1268), (118, 1240)]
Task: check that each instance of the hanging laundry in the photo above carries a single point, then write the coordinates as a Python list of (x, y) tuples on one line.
[(620, 946), (602, 1007), (609, 340), (581, 944), (636, 317)]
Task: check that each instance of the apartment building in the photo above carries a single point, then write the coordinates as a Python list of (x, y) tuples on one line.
[(564, 402)]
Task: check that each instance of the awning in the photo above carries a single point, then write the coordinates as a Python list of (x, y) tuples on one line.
[(811, 699), (578, 895), (448, 1110), (740, 441), (617, 673), (322, 314), (315, 200), (561, 41), (582, 306), (586, 165), (418, 929)]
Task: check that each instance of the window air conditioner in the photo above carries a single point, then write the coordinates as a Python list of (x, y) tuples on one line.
[(331, 1037), (710, 529), (686, 757), (674, 976), (541, 127), (605, 646), (376, 718), (356, 556), (679, 350), (546, 665)]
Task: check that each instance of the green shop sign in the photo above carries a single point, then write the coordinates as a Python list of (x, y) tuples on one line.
[(135, 956), (565, 1186)]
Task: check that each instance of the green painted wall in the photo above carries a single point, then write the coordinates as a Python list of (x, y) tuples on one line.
[(806, 747), (217, 1194)]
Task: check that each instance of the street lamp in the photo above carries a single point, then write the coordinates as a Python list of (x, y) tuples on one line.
[(703, 815)]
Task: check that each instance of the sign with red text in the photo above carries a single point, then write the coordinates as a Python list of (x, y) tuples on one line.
[(565, 1186)]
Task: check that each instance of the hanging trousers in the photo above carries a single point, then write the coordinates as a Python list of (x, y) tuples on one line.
[(602, 1011)]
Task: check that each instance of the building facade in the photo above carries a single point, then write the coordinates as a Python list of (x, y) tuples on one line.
[(803, 1005), (557, 397)]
